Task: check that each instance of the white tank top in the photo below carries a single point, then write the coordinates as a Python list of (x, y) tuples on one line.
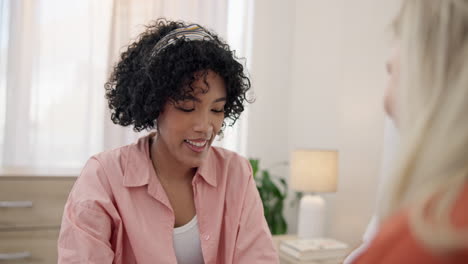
[(187, 245)]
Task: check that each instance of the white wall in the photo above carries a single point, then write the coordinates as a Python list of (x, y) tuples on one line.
[(271, 80), (318, 73), (271, 83), (268, 117)]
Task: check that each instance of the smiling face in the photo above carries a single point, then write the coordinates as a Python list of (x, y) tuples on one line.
[(187, 128)]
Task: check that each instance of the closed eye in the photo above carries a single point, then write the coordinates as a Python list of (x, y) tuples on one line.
[(187, 110), (217, 110)]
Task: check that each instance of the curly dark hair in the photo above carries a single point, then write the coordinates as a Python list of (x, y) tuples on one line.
[(143, 81)]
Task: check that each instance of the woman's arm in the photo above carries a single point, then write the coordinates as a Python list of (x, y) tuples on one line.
[(88, 220), (84, 236), (254, 243)]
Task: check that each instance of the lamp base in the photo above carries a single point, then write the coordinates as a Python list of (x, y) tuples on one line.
[(311, 221)]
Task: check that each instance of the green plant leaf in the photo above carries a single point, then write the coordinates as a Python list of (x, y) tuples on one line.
[(285, 187), (296, 200), (254, 163), (280, 226), (269, 185), (273, 192), (278, 223), (266, 211), (283, 182)]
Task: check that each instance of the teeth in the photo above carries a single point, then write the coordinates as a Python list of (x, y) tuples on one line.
[(197, 144)]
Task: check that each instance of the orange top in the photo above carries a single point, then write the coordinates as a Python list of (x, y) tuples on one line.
[(395, 243)]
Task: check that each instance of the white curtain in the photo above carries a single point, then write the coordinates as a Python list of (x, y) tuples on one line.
[(55, 67), (240, 38), (55, 58)]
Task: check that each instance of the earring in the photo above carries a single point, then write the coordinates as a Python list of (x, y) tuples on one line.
[(220, 135)]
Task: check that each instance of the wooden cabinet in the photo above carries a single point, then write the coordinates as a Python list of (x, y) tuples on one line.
[(31, 207), (29, 246)]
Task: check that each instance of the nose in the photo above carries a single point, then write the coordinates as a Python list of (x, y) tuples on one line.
[(203, 124)]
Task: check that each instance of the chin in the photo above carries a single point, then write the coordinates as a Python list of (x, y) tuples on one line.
[(194, 162), (194, 159)]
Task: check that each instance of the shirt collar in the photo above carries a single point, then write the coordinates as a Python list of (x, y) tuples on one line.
[(139, 169), (209, 167)]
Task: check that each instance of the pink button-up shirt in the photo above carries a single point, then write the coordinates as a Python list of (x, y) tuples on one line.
[(118, 212)]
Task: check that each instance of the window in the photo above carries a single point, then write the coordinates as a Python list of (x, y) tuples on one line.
[(55, 58)]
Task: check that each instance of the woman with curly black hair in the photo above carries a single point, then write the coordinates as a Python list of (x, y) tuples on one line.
[(171, 197)]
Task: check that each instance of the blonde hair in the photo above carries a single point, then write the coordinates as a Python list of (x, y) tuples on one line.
[(432, 112)]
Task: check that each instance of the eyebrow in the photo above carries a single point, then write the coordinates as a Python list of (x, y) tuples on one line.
[(222, 99)]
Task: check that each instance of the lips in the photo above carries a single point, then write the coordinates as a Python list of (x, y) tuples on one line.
[(196, 145)]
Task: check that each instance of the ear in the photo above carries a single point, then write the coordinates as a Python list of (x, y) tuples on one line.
[(156, 123), (221, 130)]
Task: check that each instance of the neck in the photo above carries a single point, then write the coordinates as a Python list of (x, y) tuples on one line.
[(168, 167)]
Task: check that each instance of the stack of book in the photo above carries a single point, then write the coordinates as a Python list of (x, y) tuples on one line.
[(313, 251)]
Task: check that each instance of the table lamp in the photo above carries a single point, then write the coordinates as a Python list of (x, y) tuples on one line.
[(313, 172)]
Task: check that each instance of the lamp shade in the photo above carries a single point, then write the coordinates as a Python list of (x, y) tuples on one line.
[(314, 170)]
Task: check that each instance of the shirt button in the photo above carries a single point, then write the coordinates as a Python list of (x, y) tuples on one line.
[(207, 237)]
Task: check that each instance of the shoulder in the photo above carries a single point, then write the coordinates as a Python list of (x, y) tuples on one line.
[(101, 165), (99, 174), (460, 210), (230, 161), (230, 169), (393, 242), (112, 159), (395, 239), (228, 155)]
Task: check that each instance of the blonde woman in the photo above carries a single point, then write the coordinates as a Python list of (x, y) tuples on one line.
[(425, 215)]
